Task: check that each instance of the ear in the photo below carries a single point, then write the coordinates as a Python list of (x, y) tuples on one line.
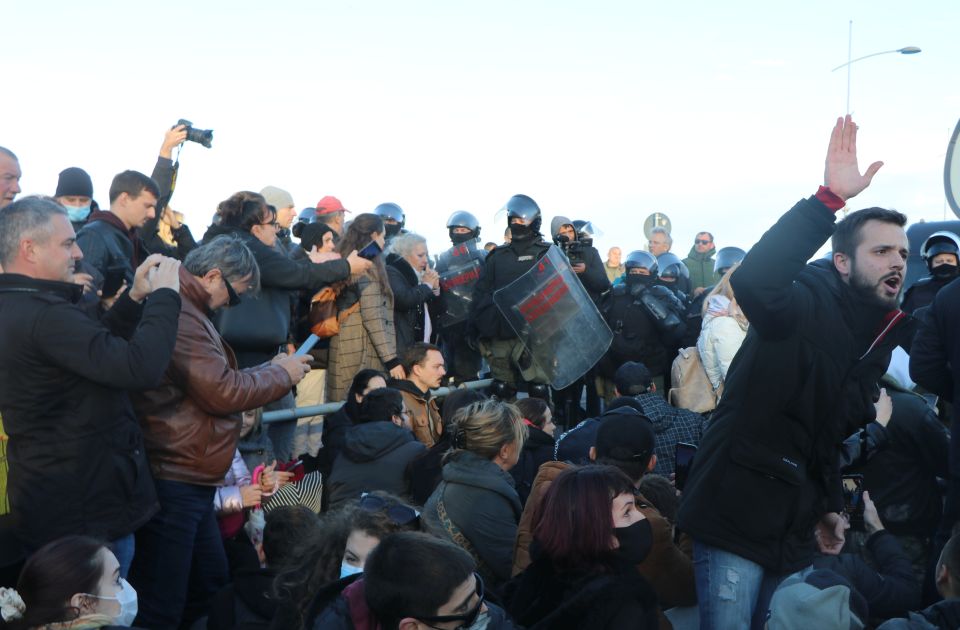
[(213, 274), (942, 577), (261, 556), (652, 463), (81, 602), (408, 623), (652, 388), (843, 263), (592, 454), (504, 453)]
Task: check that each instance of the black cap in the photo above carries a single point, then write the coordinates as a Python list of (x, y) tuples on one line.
[(625, 437), (74, 182)]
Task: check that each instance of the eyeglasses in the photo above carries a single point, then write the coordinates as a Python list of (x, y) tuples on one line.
[(233, 298), (466, 619), (701, 241), (274, 224), (399, 514)]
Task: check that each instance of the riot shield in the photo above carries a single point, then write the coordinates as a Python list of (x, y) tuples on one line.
[(459, 271), (553, 316)]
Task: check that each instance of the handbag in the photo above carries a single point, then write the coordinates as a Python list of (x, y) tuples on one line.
[(325, 318), (691, 387)]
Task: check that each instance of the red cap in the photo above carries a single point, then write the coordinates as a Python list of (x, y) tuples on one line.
[(329, 205)]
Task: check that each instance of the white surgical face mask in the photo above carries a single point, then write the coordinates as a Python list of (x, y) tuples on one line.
[(346, 570), (127, 598)]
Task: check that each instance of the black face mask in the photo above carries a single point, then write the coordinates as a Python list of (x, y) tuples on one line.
[(945, 271), (392, 229), (638, 281), (521, 232), (456, 239), (636, 541)]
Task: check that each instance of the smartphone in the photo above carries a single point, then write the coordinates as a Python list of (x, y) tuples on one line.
[(113, 280), (307, 346), (370, 251), (684, 458), (853, 500)]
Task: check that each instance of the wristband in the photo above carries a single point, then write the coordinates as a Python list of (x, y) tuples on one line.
[(829, 198)]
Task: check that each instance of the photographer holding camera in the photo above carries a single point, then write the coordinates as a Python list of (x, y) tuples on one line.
[(584, 258)]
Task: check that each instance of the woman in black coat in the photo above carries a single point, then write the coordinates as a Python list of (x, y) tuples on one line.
[(538, 416), (416, 291)]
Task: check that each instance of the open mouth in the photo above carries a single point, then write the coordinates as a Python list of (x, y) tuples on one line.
[(893, 284)]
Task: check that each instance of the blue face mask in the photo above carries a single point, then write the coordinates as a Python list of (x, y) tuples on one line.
[(346, 570), (77, 213)]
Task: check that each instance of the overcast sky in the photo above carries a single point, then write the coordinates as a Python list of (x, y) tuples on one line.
[(716, 114)]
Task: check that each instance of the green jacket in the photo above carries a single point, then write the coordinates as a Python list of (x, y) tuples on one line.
[(701, 268)]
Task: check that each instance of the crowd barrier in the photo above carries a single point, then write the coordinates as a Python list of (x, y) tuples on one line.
[(325, 409)]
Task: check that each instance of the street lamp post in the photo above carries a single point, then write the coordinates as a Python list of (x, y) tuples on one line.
[(908, 50)]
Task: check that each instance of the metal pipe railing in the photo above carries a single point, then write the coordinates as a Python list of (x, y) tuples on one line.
[(328, 408)]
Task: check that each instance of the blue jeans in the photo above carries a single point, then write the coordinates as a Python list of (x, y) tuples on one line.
[(123, 549), (732, 592), (180, 562)]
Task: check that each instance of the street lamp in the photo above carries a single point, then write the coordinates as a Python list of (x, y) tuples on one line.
[(908, 50)]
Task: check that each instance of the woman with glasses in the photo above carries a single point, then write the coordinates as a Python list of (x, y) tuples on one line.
[(339, 550), (589, 536), (476, 505), (258, 328)]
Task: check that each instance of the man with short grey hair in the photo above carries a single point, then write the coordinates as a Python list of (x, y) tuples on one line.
[(77, 462), (660, 241), (9, 177)]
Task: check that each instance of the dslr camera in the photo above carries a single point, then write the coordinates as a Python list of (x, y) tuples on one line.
[(200, 136)]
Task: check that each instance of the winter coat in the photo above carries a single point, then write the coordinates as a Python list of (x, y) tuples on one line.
[(536, 450), (501, 267), (483, 505), (594, 278), (944, 615), (227, 499), (335, 427), (671, 426), (76, 454), (667, 568), (425, 415), (426, 470), (542, 598), (191, 421), (720, 338), (412, 300), (891, 589), (375, 457), (614, 272), (367, 338), (246, 604), (805, 378), (700, 266)]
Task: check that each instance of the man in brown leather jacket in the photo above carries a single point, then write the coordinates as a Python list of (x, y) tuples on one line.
[(424, 366), (191, 426)]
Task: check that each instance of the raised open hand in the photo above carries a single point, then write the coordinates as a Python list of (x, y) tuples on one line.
[(842, 174)]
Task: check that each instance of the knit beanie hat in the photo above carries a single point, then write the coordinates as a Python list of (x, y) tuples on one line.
[(74, 182), (277, 197), (823, 600)]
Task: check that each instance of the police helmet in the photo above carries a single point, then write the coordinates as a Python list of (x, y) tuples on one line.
[(307, 215), (390, 211), (641, 259), (671, 266), (942, 242), (523, 207), (585, 230), (727, 257), (463, 219)]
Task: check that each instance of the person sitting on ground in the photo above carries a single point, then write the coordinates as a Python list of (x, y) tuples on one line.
[(335, 426), (248, 603), (574, 445), (946, 613), (73, 582), (820, 599), (538, 416), (424, 366), (337, 551), (376, 451), (476, 505), (590, 538)]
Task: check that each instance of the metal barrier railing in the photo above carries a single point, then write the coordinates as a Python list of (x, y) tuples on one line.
[(327, 408)]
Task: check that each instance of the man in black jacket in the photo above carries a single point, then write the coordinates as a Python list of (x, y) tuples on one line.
[(77, 463), (767, 472)]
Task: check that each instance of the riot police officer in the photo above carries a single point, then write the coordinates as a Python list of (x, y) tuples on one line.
[(497, 341), (459, 269), (941, 253), (674, 275), (393, 219)]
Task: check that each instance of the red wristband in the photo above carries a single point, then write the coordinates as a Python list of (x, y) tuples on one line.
[(828, 198)]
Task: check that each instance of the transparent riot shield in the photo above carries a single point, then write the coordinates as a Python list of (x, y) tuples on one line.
[(460, 267), (557, 322)]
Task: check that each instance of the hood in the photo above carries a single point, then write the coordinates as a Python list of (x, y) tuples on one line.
[(557, 223), (410, 388), (372, 440), (707, 255), (252, 587), (537, 437), (108, 217), (470, 469), (944, 614)]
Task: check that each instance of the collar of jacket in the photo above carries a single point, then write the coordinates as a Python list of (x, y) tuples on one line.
[(702, 255), (400, 263), (410, 388), (192, 291), (110, 218), (15, 282)]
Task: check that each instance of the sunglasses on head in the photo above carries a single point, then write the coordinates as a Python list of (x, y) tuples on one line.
[(399, 514), (466, 619)]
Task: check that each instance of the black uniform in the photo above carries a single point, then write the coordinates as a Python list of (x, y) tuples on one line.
[(923, 291), (463, 361)]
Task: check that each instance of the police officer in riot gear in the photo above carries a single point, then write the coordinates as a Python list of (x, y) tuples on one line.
[(674, 274), (497, 341), (393, 219), (941, 253), (458, 268)]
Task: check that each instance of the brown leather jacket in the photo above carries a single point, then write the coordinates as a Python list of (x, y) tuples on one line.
[(425, 415), (191, 422), (667, 568)]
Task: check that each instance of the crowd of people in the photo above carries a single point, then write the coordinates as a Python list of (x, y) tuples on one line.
[(741, 454)]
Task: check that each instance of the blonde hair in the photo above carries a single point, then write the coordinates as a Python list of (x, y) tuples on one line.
[(483, 428), (725, 289)]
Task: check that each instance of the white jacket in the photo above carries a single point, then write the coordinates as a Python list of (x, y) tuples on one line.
[(720, 338)]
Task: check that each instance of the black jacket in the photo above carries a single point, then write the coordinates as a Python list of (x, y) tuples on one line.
[(409, 297), (805, 378), (944, 615), (891, 589), (501, 267), (375, 457), (635, 335), (923, 292), (594, 277), (77, 463), (536, 450), (335, 427), (246, 604)]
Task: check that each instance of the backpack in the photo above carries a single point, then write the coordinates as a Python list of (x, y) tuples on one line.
[(690, 387), (325, 318)]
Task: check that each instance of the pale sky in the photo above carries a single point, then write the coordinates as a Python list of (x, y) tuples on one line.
[(716, 114)]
